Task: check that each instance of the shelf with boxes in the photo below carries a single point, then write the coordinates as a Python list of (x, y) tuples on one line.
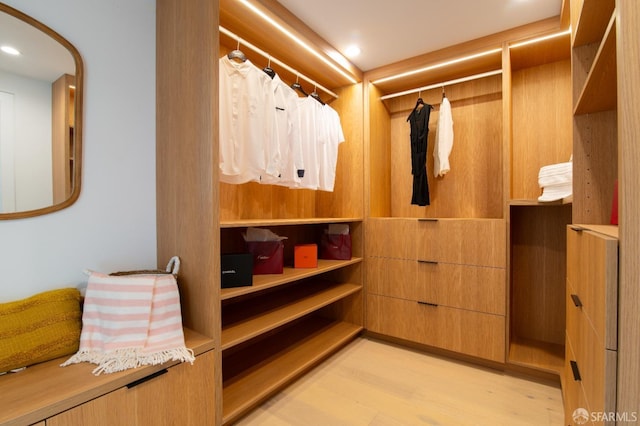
[(284, 323)]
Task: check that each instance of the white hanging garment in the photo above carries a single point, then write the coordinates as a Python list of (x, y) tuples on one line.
[(247, 114), (444, 140)]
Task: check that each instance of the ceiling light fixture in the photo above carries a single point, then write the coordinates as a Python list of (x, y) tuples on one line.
[(352, 51), (539, 39), (436, 66), (296, 39), (10, 50)]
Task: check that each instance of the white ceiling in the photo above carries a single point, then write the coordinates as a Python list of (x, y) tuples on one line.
[(42, 57), (388, 31)]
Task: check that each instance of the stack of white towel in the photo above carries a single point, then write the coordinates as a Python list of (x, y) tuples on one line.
[(556, 181)]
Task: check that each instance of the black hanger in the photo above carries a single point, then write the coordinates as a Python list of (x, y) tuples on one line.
[(299, 88), (443, 94), (419, 105), (237, 54), (270, 72), (315, 95)]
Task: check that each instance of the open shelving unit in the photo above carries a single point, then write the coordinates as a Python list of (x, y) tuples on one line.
[(284, 324)]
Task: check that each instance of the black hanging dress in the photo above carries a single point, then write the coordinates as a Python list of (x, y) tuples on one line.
[(419, 121)]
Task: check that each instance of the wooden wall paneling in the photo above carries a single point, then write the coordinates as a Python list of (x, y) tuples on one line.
[(378, 155), (187, 197), (538, 266), (347, 198), (473, 187), (595, 167), (628, 42), (542, 111)]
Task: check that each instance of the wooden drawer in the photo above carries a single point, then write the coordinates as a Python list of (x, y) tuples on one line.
[(572, 391), (391, 237), (472, 333), (592, 272), (459, 286), (595, 363), (479, 242)]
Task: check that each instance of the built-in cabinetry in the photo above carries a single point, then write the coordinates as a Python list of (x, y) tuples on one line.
[(511, 104), (438, 282), (155, 395), (62, 136), (592, 320), (538, 133), (269, 333)]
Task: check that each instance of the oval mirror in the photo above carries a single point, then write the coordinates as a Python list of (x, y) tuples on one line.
[(41, 78)]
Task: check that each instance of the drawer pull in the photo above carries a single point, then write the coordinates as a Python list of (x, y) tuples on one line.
[(430, 262), (576, 371), (435, 305), (146, 379), (576, 300), (427, 219), (576, 228)]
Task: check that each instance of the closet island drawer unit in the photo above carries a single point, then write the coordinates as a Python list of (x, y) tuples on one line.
[(438, 282), (591, 324)]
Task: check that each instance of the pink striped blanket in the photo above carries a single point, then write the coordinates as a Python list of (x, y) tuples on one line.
[(130, 321)]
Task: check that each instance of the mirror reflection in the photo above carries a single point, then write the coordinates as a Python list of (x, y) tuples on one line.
[(40, 99)]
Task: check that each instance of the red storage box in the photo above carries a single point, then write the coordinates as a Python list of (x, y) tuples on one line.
[(268, 256), (305, 256), (335, 246)]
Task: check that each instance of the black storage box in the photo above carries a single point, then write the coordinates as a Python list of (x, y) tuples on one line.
[(237, 270)]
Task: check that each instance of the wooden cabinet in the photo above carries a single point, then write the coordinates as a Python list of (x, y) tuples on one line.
[(176, 395), (168, 394), (439, 283), (592, 319)]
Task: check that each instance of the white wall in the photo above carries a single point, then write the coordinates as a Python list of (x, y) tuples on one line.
[(112, 225)]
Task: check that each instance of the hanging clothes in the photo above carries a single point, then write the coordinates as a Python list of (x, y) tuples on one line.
[(444, 139), (247, 114), (419, 122)]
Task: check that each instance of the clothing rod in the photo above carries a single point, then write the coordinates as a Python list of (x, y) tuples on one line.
[(256, 49), (444, 83)]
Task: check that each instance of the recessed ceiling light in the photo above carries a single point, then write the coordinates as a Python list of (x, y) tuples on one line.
[(10, 50), (352, 51)]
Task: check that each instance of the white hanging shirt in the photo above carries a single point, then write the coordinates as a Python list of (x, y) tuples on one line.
[(287, 133), (444, 140), (247, 115), (328, 149), (311, 134)]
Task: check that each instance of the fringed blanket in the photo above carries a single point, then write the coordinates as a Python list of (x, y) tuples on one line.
[(130, 321)]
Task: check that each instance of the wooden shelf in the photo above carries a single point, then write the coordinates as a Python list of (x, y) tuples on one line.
[(246, 321), (257, 372), (600, 89), (592, 21), (289, 275), (536, 203), (286, 222), (543, 356)]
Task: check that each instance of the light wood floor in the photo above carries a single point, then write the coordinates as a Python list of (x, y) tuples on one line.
[(379, 384)]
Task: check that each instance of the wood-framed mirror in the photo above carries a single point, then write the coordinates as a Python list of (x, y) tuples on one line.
[(41, 93)]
